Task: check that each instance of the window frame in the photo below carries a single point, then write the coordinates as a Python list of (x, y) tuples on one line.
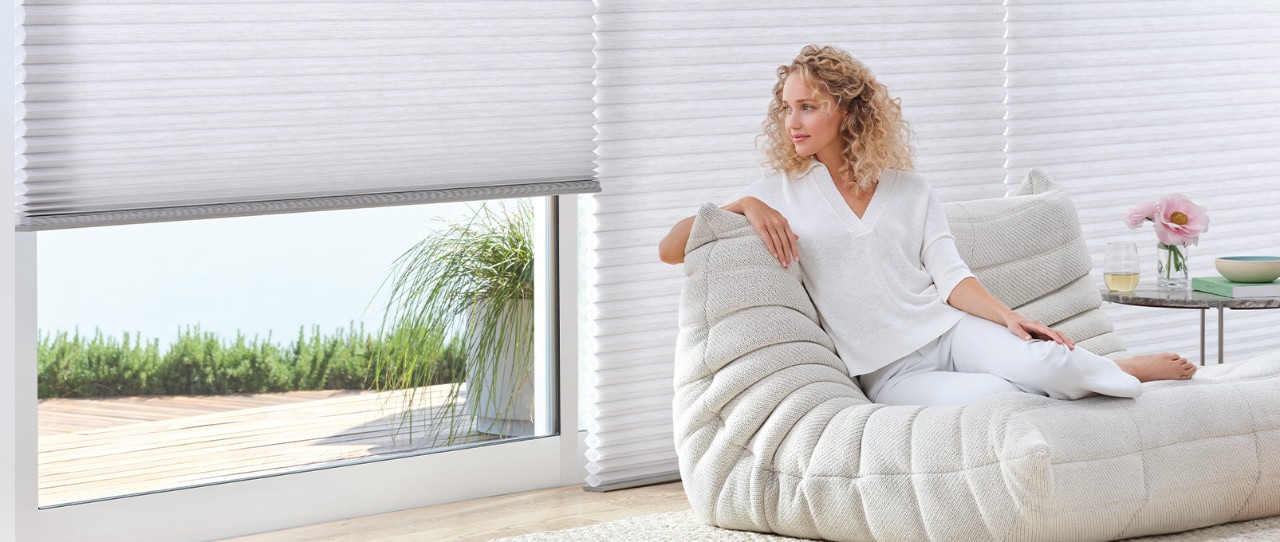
[(326, 494)]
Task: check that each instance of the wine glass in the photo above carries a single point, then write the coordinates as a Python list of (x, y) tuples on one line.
[(1120, 268)]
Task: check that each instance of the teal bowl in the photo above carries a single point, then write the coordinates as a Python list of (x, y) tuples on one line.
[(1249, 268)]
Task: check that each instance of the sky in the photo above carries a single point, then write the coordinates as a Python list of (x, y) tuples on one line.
[(260, 275)]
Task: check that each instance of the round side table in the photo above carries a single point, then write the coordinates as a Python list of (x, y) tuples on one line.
[(1191, 299)]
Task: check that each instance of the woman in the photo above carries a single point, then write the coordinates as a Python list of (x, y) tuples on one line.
[(908, 318)]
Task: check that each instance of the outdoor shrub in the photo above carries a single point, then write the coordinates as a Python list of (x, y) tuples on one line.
[(99, 367), (199, 363), (330, 363)]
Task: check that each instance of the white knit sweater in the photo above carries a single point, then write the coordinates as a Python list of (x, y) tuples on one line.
[(879, 282)]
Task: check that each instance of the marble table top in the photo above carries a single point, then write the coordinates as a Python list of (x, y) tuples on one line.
[(1187, 299)]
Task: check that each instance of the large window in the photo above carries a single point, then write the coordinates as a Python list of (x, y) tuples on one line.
[(182, 354), (163, 110)]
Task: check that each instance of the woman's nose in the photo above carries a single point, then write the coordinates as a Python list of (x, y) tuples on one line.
[(792, 121)]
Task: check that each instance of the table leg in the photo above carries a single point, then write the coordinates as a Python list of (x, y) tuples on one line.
[(1220, 309), (1202, 337)]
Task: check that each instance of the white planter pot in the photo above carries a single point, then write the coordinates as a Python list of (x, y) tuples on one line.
[(500, 391)]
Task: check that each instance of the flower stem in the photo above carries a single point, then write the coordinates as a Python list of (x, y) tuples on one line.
[(1174, 260), (1168, 261)]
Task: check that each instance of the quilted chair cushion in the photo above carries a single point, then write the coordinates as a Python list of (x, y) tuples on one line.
[(773, 436), (1028, 251)]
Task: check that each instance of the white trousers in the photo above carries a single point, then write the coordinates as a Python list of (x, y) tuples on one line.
[(978, 357)]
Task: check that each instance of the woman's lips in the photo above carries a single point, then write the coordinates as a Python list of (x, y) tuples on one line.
[(799, 137)]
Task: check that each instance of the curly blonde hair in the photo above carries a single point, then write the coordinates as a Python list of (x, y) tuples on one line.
[(874, 133)]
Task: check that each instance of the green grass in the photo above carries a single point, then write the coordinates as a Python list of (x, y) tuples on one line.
[(201, 363)]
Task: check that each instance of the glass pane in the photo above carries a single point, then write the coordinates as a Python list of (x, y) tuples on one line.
[(186, 353)]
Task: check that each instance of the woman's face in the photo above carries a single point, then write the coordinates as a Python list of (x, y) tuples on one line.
[(812, 120)]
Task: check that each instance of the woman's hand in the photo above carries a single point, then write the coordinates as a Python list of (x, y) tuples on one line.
[(773, 228), (1028, 329), (972, 297)]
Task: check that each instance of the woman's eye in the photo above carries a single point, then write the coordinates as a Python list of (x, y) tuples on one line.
[(807, 106)]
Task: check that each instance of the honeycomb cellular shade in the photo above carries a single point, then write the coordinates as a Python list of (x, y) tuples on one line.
[(153, 110), (682, 90), (1129, 101)]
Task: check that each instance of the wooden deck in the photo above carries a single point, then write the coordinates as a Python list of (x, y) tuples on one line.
[(100, 448)]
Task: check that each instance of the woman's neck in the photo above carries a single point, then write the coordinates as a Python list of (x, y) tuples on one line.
[(832, 158), (834, 164)]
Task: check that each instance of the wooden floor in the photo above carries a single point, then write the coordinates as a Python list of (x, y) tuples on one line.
[(493, 517), (98, 448)]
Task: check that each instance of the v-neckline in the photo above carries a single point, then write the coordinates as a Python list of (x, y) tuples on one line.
[(849, 218)]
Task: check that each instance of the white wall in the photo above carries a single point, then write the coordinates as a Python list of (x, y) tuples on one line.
[(8, 468), (8, 307)]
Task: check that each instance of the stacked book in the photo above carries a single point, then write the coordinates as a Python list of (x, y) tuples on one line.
[(1223, 287)]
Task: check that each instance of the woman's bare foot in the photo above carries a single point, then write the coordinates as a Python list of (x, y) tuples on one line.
[(1162, 366)]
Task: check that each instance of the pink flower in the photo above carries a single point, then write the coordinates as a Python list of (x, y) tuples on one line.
[(1178, 221), (1145, 210)]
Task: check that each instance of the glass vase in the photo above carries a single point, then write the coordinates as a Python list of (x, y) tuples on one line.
[(1171, 267)]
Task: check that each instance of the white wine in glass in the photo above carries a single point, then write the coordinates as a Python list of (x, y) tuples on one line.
[(1120, 282), (1120, 268)]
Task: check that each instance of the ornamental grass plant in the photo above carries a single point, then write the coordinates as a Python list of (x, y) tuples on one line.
[(470, 281)]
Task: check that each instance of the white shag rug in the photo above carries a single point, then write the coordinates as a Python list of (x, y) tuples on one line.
[(681, 527)]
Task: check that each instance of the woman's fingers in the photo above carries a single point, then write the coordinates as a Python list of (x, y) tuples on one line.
[(776, 233), (783, 248), (788, 239), (1048, 333), (1058, 337), (1019, 329), (1053, 334), (795, 245), (1031, 329), (784, 236), (769, 242), (774, 243)]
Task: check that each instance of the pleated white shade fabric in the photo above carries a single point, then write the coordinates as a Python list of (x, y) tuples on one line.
[(157, 109), (682, 89), (1125, 101)]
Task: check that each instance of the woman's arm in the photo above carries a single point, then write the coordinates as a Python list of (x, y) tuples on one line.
[(671, 249), (772, 226), (972, 297), (942, 261)]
